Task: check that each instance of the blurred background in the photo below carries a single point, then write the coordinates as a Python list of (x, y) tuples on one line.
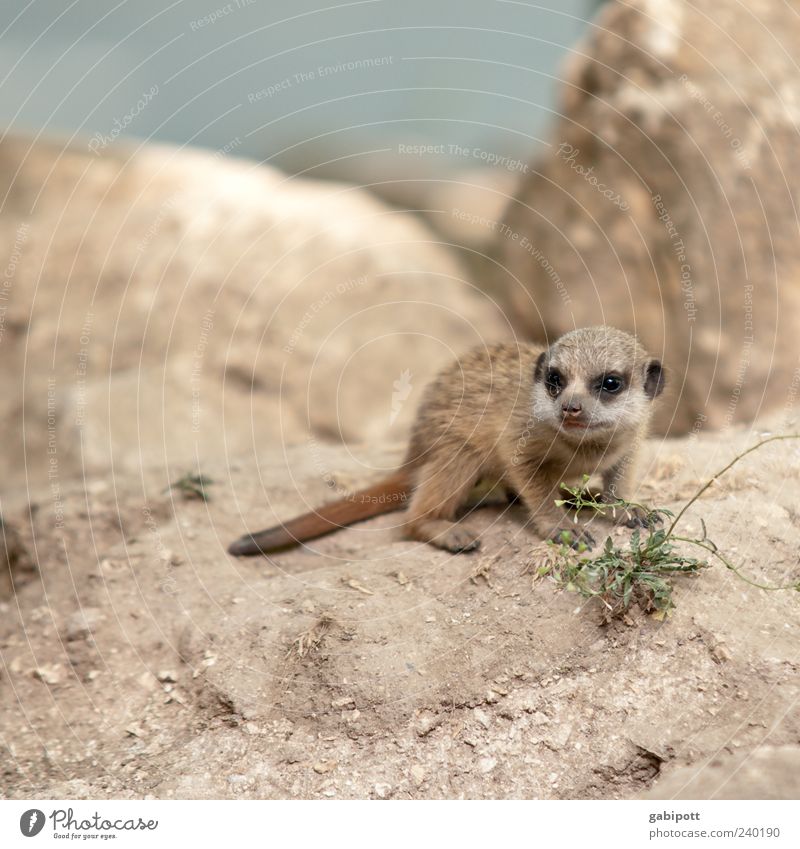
[(196, 345), (339, 88), (570, 164)]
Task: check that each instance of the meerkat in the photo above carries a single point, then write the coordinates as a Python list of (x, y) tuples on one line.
[(527, 417)]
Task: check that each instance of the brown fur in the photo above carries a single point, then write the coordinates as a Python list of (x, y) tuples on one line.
[(490, 415), (384, 497)]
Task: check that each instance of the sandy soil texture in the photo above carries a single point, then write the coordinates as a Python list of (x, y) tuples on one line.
[(142, 660)]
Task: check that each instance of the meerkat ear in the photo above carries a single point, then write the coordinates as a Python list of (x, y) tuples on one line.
[(654, 379), (538, 372)]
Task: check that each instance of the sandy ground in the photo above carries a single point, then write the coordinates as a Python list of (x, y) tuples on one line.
[(142, 660)]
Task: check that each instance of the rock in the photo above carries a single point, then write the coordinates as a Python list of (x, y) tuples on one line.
[(323, 767), (147, 681), (559, 735), (227, 292), (482, 718), (486, 765), (417, 774), (170, 558), (50, 674), (667, 203), (82, 623), (383, 790), (769, 772), (426, 722)]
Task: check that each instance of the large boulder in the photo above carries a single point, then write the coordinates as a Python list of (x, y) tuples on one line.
[(667, 204), (159, 305)]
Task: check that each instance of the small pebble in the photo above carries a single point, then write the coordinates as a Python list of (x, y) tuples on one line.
[(324, 766), (481, 717), (418, 774)]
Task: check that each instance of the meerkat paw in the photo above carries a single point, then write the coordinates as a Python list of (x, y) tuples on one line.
[(572, 535), (637, 517), (450, 536), (458, 540)]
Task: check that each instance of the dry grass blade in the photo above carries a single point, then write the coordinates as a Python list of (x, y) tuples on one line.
[(311, 639)]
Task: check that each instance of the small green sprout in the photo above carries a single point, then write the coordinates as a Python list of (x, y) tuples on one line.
[(192, 486), (639, 573)]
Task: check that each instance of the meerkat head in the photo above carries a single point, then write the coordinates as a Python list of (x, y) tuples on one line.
[(595, 382)]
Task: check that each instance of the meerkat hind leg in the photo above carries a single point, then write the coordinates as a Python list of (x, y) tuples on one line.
[(442, 489), (451, 536)]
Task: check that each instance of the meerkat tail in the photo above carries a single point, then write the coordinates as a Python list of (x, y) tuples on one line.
[(384, 497)]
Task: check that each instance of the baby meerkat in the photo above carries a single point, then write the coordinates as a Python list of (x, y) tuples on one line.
[(527, 417)]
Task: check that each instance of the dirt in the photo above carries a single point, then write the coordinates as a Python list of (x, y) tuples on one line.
[(142, 660)]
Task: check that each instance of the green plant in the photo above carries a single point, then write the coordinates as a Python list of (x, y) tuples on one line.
[(192, 486), (641, 572)]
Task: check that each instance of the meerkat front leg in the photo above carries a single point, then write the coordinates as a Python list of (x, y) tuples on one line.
[(619, 483), (442, 488), (539, 493)]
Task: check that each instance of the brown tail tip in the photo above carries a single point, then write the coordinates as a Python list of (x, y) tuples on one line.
[(382, 497), (263, 542), (243, 546), (248, 546)]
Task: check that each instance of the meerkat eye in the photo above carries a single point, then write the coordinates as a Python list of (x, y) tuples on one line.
[(554, 382), (611, 383)]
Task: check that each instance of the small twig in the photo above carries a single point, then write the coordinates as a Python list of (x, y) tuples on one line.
[(712, 549)]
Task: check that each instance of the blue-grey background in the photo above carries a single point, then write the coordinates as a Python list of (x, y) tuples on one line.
[(470, 73)]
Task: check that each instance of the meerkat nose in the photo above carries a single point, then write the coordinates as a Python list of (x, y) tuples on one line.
[(572, 408)]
